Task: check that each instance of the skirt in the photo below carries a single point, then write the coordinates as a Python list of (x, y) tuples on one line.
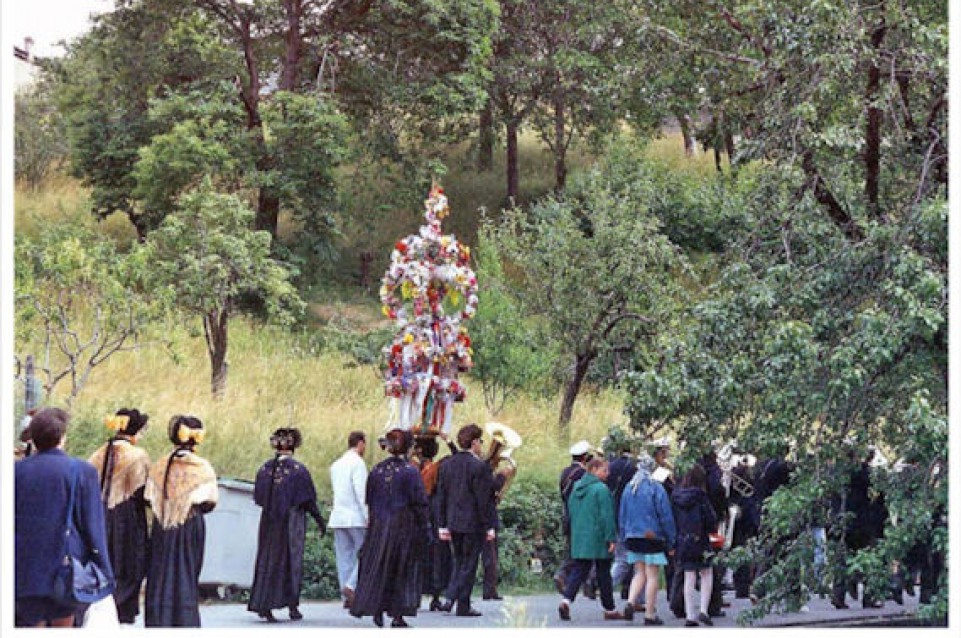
[(649, 559)]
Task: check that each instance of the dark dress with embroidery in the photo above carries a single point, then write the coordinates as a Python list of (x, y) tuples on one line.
[(390, 572), (285, 491)]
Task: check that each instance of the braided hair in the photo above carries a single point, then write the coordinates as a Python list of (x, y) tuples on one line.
[(135, 422), (181, 431)]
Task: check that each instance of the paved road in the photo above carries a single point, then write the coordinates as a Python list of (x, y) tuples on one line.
[(541, 611)]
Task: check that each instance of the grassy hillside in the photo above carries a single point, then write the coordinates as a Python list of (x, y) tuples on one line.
[(281, 379)]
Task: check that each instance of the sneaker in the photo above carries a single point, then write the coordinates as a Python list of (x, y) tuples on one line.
[(628, 611), (656, 620), (613, 615), (704, 619), (564, 611)]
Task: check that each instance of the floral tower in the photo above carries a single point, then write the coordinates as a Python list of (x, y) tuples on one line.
[(430, 290)]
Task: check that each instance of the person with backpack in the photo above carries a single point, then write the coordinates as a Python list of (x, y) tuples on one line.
[(696, 520)]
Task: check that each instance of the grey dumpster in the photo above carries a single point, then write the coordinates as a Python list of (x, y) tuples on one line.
[(230, 549)]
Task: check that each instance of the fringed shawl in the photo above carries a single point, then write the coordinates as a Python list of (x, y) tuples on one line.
[(127, 471), (191, 481)]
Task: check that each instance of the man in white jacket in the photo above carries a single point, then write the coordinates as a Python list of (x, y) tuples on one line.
[(348, 518)]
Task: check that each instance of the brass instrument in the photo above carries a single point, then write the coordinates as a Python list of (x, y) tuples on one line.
[(504, 441)]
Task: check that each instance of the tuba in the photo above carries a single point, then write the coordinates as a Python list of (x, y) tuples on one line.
[(504, 441)]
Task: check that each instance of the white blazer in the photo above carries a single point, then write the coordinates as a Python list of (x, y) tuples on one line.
[(348, 479)]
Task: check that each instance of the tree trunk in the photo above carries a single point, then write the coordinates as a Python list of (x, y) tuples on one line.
[(560, 145), (581, 365), (685, 123), (293, 10), (872, 133), (729, 146), (485, 142), (215, 332), (513, 181)]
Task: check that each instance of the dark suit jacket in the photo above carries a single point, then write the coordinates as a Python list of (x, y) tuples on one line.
[(465, 486), (42, 486), (620, 473)]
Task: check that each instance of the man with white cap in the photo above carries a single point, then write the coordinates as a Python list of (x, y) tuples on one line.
[(580, 455)]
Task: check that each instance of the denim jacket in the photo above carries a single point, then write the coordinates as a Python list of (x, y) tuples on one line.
[(646, 509)]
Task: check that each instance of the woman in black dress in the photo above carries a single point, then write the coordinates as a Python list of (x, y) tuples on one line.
[(181, 488), (123, 469), (390, 572), (285, 491)]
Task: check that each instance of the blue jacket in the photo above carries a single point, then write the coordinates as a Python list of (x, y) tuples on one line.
[(42, 486), (646, 510)]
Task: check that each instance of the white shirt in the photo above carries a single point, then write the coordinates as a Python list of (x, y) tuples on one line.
[(348, 479)]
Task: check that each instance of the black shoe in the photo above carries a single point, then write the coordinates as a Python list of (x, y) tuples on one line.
[(469, 612), (691, 623), (704, 619), (268, 616), (295, 614), (399, 622), (656, 620), (445, 607), (436, 605), (839, 604), (628, 611), (494, 596), (564, 611), (379, 619)]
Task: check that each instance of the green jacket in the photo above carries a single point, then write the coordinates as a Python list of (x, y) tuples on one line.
[(592, 518)]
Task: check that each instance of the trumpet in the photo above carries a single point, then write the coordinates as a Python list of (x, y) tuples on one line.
[(504, 441)]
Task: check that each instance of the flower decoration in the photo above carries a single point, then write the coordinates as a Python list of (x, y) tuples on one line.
[(429, 289), (185, 434)]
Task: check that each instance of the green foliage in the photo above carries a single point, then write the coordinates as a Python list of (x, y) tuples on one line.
[(531, 527), (320, 566), (511, 352), (38, 136), (78, 298)]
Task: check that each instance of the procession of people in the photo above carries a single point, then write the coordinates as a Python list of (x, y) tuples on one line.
[(414, 525)]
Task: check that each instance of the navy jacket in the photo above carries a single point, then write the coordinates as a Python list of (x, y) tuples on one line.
[(620, 472), (465, 487), (42, 486), (695, 518)]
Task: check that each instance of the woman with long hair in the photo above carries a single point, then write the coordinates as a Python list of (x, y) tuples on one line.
[(647, 530), (696, 520), (285, 492), (181, 488), (123, 468), (389, 577)]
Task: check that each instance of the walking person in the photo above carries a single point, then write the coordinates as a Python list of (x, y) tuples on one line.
[(123, 468), (438, 563), (284, 490), (348, 516), (696, 520), (389, 575), (593, 536), (621, 470), (580, 454), (181, 488), (54, 494), (465, 515), (647, 531)]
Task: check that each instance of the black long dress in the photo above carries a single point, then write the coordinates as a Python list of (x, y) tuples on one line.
[(390, 571), (285, 491), (122, 479), (177, 539)]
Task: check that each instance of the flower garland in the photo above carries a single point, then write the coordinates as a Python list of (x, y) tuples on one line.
[(428, 272)]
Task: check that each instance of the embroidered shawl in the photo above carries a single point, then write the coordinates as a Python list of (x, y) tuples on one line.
[(130, 465), (191, 481)]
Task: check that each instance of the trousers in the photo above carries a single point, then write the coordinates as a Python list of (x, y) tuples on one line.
[(347, 542)]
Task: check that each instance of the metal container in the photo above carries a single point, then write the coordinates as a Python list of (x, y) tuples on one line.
[(230, 548)]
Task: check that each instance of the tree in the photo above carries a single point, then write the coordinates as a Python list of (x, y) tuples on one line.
[(78, 299), (39, 146), (205, 255), (512, 353), (592, 263)]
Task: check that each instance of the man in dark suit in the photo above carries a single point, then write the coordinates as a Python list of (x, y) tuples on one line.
[(466, 514), (42, 485), (622, 470)]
